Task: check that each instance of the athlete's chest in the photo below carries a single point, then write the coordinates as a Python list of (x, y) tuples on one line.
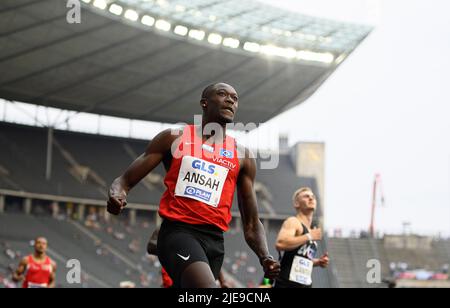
[(205, 173), (225, 155), (39, 268), (208, 157), (309, 249)]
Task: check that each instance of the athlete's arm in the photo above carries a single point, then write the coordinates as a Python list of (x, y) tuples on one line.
[(18, 274), (287, 237), (223, 282), (254, 233), (156, 151), (52, 280)]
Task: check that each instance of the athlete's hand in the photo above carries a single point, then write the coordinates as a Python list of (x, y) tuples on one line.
[(323, 261), (316, 234), (117, 200), (271, 267), (18, 278)]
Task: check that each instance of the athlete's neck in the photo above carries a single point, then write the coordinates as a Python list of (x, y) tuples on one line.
[(39, 255), (306, 218)]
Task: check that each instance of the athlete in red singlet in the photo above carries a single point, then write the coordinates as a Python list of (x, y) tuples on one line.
[(204, 167), (37, 270)]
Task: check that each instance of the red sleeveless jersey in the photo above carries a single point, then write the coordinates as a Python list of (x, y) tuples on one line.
[(38, 273), (201, 182)]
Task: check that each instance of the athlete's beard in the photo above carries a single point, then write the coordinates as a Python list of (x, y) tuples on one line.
[(217, 118)]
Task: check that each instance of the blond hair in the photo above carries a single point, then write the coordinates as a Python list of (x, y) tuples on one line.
[(298, 192)]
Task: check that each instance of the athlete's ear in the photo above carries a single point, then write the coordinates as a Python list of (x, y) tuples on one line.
[(204, 103)]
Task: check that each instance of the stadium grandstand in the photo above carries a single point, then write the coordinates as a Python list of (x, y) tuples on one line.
[(141, 62)]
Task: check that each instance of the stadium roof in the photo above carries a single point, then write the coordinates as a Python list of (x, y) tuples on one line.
[(149, 60), (256, 21)]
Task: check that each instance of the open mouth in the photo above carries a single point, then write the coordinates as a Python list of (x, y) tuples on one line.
[(230, 110)]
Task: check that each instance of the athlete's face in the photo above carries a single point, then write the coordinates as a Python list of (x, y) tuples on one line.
[(221, 104), (306, 200), (40, 245)]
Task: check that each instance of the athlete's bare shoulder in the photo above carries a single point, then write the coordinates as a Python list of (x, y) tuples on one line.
[(24, 260), (163, 142), (169, 135), (292, 221)]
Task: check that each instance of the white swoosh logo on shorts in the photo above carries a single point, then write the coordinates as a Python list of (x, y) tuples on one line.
[(184, 258)]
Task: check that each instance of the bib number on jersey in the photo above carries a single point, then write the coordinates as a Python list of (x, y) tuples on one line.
[(301, 271), (201, 180)]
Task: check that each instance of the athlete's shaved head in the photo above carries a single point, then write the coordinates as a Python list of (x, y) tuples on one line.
[(210, 89), (207, 91)]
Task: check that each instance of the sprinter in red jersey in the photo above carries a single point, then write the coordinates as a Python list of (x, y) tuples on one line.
[(204, 166), (37, 270)]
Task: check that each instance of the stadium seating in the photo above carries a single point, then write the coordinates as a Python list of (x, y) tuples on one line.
[(24, 148)]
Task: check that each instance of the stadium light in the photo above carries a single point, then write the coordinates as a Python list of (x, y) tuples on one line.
[(252, 47), (101, 4), (131, 15), (215, 39), (147, 20), (181, 30), (198, 35), (163, 25), (116, 9), (341, 58), (288, 53), (231, 42), (270, 50), (324, 57)]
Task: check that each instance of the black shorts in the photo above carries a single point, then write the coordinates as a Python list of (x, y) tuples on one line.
[(180, 245)]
